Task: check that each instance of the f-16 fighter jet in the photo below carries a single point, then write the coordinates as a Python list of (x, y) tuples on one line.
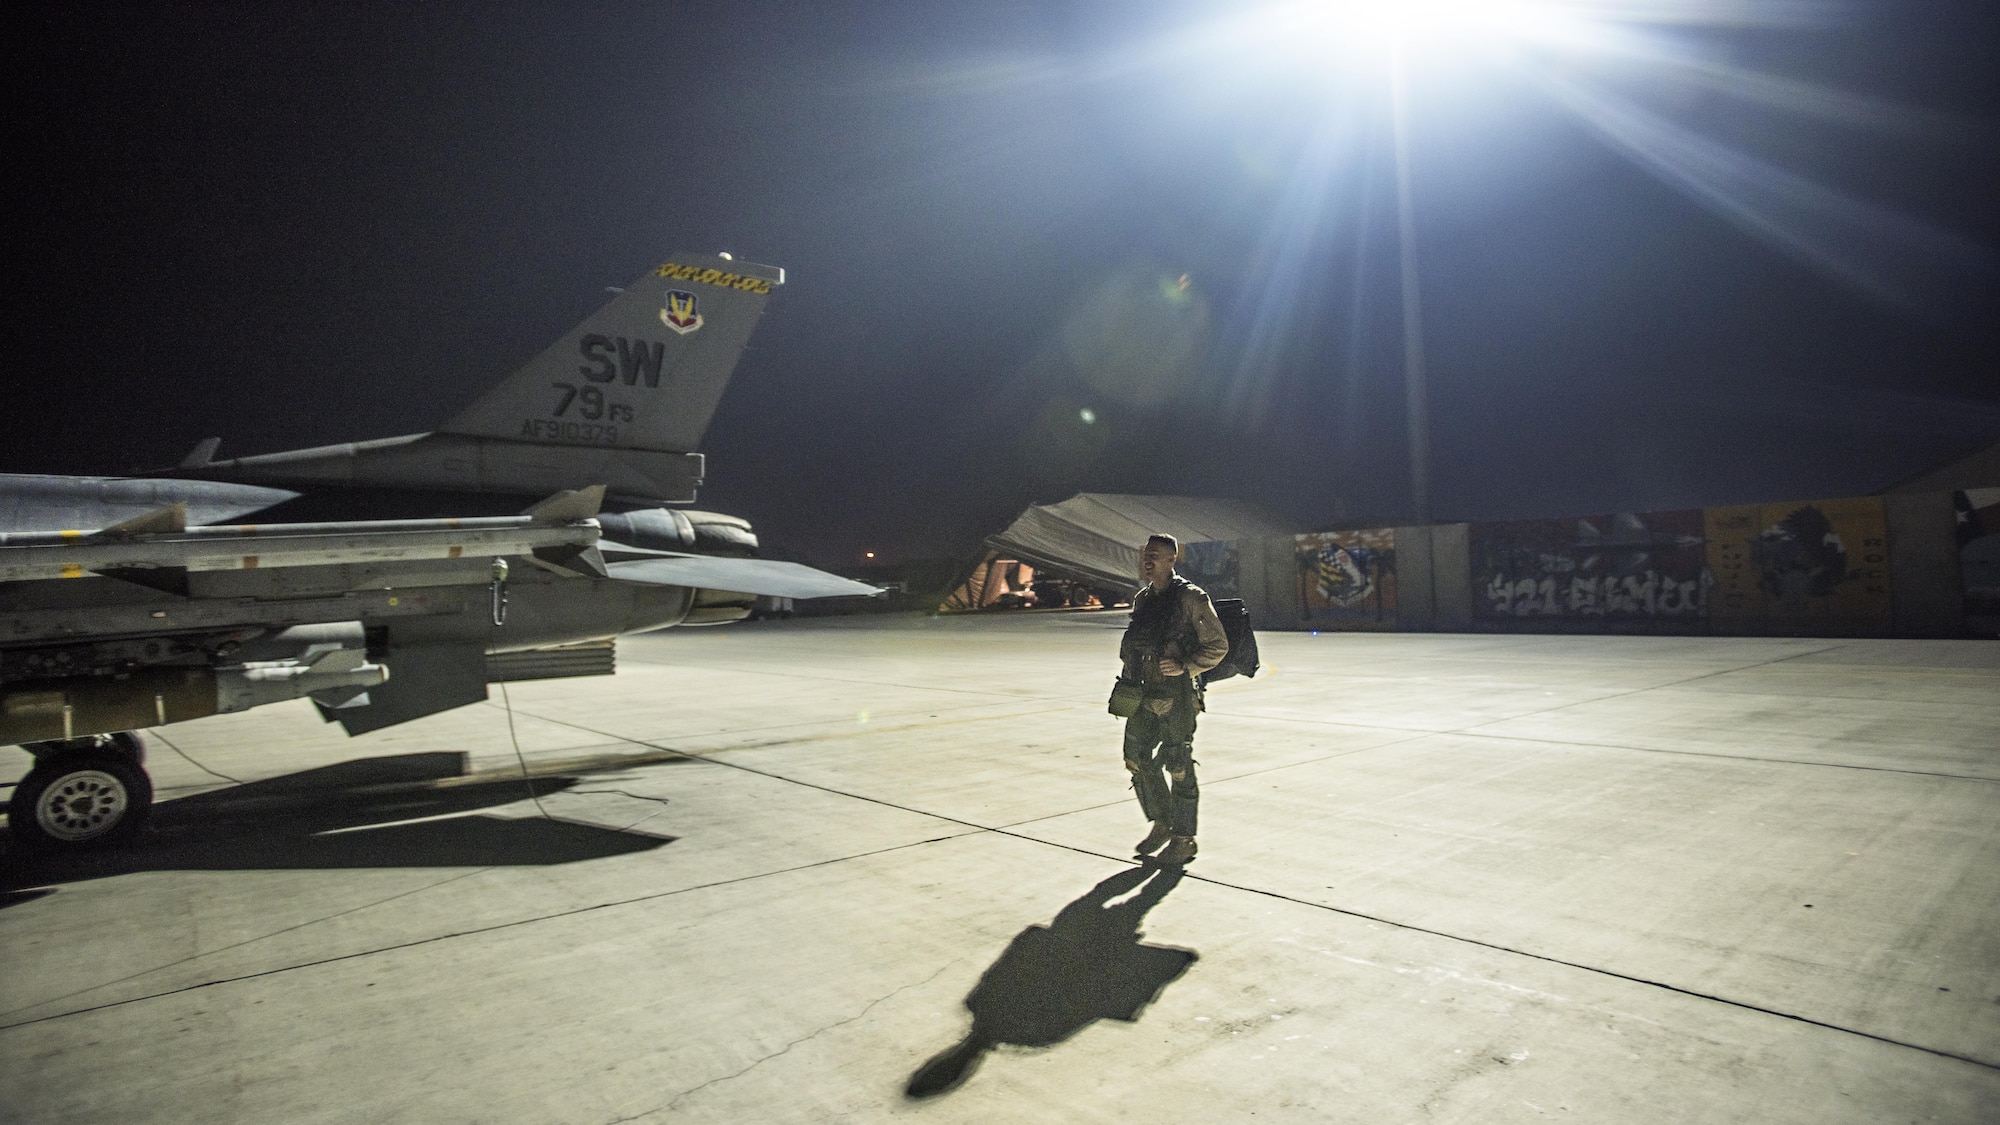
[(120, 611)]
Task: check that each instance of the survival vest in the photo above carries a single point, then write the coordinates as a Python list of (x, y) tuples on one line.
[(1151, 633)]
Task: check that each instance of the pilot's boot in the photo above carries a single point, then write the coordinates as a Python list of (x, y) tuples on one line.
[(1155, 839), (1179, 852)]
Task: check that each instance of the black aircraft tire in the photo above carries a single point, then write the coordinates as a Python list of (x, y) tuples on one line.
[(80, 799)]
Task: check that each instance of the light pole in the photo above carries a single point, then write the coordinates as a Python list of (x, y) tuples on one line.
[(1331, 42), (1415, 405), (1364, 34)]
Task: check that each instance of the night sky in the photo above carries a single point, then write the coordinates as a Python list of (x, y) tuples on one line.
[(1762, 270)]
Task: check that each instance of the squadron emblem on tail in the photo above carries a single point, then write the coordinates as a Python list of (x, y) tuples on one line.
[(680, 312)]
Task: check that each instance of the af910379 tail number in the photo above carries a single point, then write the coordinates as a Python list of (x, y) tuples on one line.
[(586, 415)]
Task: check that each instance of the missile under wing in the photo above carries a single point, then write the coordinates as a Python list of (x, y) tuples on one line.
[(31, 502)]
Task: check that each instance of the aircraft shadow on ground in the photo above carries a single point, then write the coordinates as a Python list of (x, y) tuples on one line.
[(297, 821), (1055, 980)]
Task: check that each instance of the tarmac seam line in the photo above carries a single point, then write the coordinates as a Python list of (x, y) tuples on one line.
[(981, 829), (294, 928), (1498, 948), (998, 701), (803, 739), (1473, 731), (1470, 729), (820, 679), (1650, 687), (1726, 757), (1745, 1005), (310, 922), (474, 932), (786, 1049), (1218, 780), (1468, 732)]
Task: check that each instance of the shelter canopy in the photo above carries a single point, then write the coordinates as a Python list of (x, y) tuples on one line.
[(1980, 469), (1096, 536)]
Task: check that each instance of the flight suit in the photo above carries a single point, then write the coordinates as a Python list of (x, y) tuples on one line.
[(1177, 623)]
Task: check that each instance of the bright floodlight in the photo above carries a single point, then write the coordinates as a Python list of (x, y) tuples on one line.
[(1391, 23)]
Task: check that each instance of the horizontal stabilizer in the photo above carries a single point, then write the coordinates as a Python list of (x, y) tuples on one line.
[(461, 463), (767, 577)]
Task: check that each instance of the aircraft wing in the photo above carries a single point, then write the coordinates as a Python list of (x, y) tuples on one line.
[(766, 577)]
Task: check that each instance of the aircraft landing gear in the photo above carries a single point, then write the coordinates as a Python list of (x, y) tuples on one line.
[(82, 792)]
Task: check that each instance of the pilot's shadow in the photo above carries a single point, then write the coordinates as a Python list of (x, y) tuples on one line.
[(1055, 980)]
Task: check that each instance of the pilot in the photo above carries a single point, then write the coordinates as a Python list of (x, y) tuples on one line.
[(1174, 637)]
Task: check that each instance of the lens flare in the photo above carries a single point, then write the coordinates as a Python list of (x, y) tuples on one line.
[(1620, 67)]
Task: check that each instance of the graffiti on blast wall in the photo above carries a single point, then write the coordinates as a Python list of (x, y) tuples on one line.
[(1625, 570), (1347, 579), (1823, 563), (1214, 566)]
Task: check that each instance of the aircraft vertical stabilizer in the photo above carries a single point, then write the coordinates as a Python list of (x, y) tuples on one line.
[(645, 372), (620, 400)]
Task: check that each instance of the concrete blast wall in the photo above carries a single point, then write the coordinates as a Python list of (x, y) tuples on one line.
[(1856, 566)]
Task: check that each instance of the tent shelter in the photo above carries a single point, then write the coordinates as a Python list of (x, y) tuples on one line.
[(994, 581), (1978, 469), (1094, 538)]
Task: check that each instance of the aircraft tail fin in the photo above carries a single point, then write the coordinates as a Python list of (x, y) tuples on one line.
[(202, 455), (644, 372)]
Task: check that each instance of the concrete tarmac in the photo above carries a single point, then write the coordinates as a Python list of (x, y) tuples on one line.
[(871, 868)]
